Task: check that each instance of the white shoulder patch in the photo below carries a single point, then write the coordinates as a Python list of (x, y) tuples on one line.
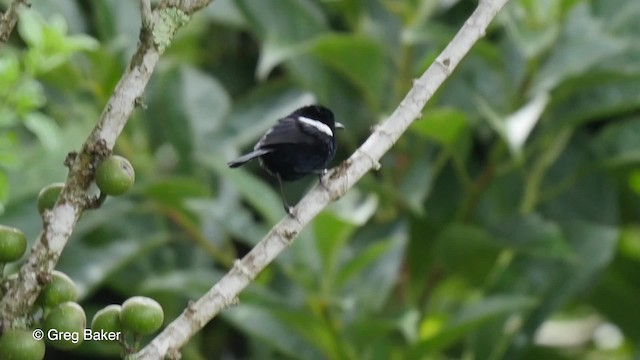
[(320, 126)]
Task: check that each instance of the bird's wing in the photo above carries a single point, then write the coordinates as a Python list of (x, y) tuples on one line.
[(287, 131)]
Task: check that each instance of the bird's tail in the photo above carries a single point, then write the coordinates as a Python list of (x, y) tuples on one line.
[(247, 157)]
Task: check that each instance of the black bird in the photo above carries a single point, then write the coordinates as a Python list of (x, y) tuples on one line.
[(300, 144)]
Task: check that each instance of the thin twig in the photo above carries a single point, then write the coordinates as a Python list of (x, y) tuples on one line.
[(337, 182)]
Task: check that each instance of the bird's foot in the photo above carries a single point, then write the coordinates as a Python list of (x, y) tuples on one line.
[(289, 210), (321, 175)]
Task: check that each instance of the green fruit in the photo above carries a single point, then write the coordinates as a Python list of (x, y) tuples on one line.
[(13, 244), (107, 319), (60, 289), (64, 326), (20, 345), (115, 175), (142, 315), (48, 196)]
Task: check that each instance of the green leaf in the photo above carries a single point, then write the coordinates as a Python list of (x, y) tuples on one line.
[(616, 293), (619, 143), (90, 266), (634, 181), (365, 259), (205, 103), (630, 242), (284, 21), (189, 283), (593, 248), (116, 20), (332, 88), (8, 117), (467, 251), (274, 54), (593, 197), (417, 183), (165, 104), (175, 190), (44, 164), (77, 43), (27, 96), (330, 234), (355, 207), (254, 191), (226, 216), (4, 189), (281, 34), (444, 125), (595, 96), (357, 58), (31, 27), (533, 25), (533, 235), (491, 307), (368, 284), (594, 244), (49, 44), (44, 128), (225, 12), (71, 11), (583, 38), (618, 16), (282, 331), (469, 319), (9, 73)]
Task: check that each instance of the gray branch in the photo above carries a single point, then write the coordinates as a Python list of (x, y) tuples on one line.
[(155, 36), (340, 179), (9, 19)]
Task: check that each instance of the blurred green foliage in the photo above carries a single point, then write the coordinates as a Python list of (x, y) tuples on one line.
[(505, 216)]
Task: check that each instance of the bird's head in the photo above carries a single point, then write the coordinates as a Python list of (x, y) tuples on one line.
[(319, 113)]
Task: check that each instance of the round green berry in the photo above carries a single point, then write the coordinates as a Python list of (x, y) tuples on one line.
[(115, 175), (107, 319), (13, 244), (141, 315), (64, 325), (20, 345), (48, 196), (60, 289)]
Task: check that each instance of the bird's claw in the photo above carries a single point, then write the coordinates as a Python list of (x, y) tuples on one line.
[(321, 175), (289, 210)]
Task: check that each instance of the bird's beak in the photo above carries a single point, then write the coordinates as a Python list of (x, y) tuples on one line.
[(339, 126)]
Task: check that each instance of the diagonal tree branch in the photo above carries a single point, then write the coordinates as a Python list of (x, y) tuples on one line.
[(9, 19), (159, 27), (341, 178)]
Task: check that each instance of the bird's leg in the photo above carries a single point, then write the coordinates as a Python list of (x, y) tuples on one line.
[(321, 174), (288, 209)]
